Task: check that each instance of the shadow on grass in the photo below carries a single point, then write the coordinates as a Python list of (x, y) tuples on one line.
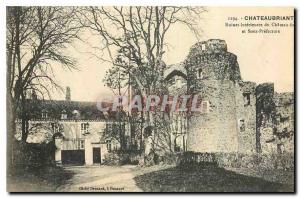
[(209, 179), (38, 179)]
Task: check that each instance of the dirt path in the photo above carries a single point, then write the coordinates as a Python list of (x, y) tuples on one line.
[(104, 179)]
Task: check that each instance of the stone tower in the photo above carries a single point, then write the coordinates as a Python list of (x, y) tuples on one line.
[(213, 74)]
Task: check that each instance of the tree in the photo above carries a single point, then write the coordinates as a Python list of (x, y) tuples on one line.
[(36, 40), (135, 37), (135, 41)]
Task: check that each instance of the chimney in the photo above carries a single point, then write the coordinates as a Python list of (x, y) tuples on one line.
[(68, 94)]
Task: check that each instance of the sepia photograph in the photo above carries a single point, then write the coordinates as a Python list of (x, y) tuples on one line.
[(150, 99)]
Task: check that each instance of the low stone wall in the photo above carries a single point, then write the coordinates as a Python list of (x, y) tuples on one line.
[(256, 160), (195, 159), (138, 158), (237, 160)]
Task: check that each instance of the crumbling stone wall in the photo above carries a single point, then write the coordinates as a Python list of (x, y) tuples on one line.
[(275, 120), (246, 116), (175, 79), (284, 124), (265, 109)]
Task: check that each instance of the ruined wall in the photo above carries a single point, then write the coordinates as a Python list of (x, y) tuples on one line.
[(265, 118), (213, 74), (275, 120), (285, 128), (241, 116), (246, 116), (177, 86)]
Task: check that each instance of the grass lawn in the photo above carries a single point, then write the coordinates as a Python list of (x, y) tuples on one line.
[(209, 179), (42, 179)]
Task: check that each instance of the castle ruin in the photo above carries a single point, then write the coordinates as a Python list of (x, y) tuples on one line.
[(239, 116)]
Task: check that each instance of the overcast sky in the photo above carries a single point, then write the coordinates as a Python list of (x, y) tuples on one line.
[(261, 57)]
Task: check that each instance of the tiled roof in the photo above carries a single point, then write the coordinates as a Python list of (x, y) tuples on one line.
[(73, 109)]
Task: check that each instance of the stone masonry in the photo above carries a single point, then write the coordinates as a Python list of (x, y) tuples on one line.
[(229, 122)]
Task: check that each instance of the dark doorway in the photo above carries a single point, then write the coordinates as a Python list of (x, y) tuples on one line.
[(96, 156), (75, 157)]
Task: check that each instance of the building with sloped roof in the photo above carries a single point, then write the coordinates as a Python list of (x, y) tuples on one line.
[(79, 129)]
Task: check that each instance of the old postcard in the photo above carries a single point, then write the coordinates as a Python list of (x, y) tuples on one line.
[(150, 99)]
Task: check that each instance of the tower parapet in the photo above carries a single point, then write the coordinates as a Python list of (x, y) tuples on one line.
[(210, 46), (210, 60)]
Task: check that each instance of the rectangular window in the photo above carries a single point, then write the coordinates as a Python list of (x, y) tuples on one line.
[(200, 74), (81, 144), (64, 115), (108, 128), (44, 114), (108, 145), (54, 127), (178, 83), (242, 125), (84, 128), (205, 106), (246, 99)]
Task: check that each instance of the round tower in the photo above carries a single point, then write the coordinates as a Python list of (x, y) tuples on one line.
[(212, 74)]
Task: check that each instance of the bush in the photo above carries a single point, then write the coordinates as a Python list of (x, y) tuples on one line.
[(169, 158), (197, 160), (236, 160), (119, 157), (34, 155), (256, 160)]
